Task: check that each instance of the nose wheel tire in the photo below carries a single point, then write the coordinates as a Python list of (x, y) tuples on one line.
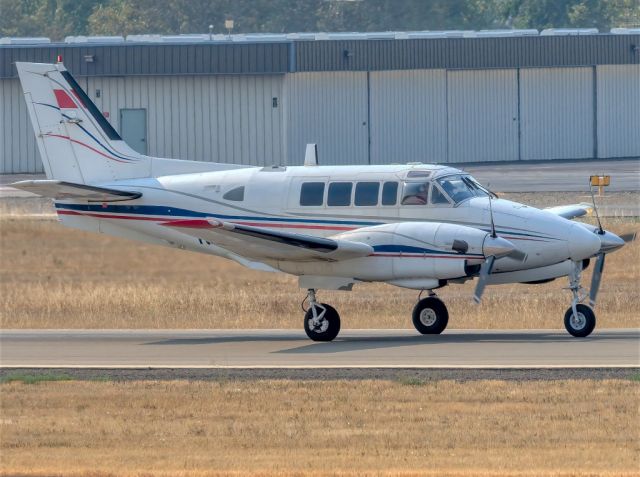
[(581, 324), (430, 316), (324, 329)]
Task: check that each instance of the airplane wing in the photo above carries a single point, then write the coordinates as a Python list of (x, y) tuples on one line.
[(263, 244), (571, 211), (68, 190)]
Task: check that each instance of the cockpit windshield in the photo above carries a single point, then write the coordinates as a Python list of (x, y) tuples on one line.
[(462, 187)]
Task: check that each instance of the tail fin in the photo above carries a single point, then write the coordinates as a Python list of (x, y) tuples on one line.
[(76, 142)]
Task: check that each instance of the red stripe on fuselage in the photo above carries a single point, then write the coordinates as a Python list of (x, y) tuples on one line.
[(201, 224)]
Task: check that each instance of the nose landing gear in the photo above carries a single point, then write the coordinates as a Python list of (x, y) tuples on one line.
[(579, 319), (321, 321)]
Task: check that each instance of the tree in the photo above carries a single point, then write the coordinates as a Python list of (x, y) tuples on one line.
[(59, 18)]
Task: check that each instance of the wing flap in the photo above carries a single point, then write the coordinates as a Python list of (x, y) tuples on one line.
[(264, 244), (571, 211), (61, 190)]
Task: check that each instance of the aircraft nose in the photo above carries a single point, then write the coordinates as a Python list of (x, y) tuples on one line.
[(582, 243), (497, 247), (610, 242)]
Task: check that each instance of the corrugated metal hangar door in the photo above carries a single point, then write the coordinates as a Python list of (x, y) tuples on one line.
[(235, 119), (408, 116), (557, 115), (18, 148), (483, 115), (618, 111), (329, 109)]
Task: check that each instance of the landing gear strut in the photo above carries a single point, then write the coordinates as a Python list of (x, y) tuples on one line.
[(430, 315), (579, 320), (321, 321)]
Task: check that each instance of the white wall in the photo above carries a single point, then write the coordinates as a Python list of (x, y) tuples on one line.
[(416, 115), (18, 149), (330, 109), (203, 118), (618, 88), (482, 115), (408, 116), (556, 111)]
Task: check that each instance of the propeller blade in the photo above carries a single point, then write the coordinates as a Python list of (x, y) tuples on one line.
[(595, 279), (485, 270), (518, 255), (629, 237)]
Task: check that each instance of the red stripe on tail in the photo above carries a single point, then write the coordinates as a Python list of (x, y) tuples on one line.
[(64, 100)]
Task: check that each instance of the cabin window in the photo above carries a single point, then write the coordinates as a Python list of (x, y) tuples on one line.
[(437, 197), (236, 194), (367, 193), (389, 193), (312, 193), (339, 193), (415, 193)]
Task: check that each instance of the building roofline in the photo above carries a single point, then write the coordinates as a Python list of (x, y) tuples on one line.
[(300, 55)]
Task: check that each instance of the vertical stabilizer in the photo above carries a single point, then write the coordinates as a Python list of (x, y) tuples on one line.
[(76, 142)]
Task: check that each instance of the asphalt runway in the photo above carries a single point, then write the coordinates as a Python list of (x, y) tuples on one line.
[(556, 176), (259, 349)]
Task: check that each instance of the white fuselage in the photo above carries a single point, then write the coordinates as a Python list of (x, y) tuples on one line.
[(271, 198)]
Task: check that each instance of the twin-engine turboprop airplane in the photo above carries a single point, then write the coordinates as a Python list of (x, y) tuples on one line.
[(414, 226)]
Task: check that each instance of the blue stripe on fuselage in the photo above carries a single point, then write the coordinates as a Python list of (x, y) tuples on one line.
[(178, 212)]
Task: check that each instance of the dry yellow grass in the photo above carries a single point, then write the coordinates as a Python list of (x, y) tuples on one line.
[(54, 277), (284, 427)]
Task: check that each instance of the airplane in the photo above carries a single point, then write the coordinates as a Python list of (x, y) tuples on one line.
[(415, 226)]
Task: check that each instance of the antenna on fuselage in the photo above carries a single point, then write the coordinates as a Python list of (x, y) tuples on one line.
[(595, 209), (493, 225), (311, 155)]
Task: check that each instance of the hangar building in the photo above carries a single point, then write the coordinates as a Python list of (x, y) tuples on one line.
[(444, 97)]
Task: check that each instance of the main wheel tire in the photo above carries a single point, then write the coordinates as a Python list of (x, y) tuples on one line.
[(581, 325), (430, 316), (329, 328)]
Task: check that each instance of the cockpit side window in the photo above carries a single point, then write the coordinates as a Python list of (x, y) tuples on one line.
[(437, 197), (415, 193), (235, 194), (455, 188), (460, 188)]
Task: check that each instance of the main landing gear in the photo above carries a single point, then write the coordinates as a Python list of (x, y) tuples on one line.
[(579, 320), (321, 321), (430, 315)]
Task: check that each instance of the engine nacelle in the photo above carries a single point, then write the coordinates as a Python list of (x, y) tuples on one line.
[(424, 249)]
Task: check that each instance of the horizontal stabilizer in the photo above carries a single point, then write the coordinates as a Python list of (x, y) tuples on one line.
[(260, 243), (571, 211), (61, 190)]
